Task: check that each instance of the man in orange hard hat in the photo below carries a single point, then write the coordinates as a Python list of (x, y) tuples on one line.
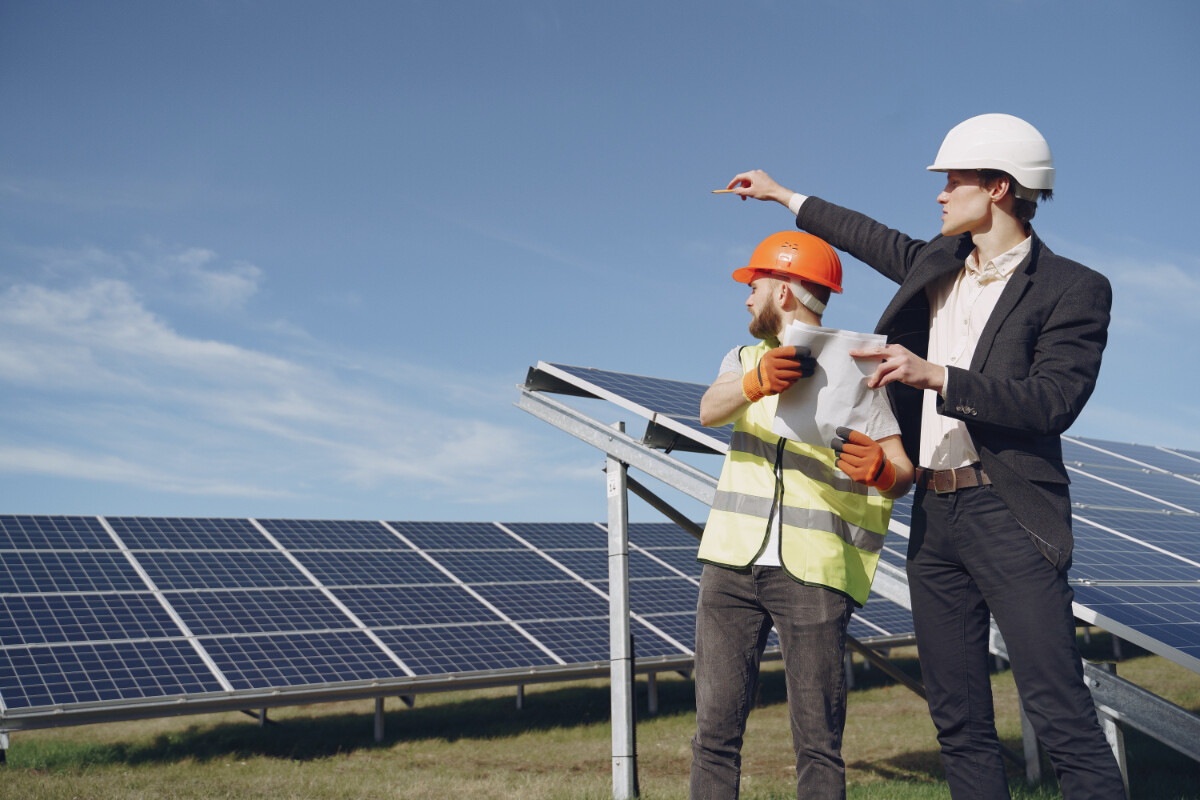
[(994, 348), (793, 536)]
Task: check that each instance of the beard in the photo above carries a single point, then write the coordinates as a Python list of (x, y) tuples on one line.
[(765, 324)]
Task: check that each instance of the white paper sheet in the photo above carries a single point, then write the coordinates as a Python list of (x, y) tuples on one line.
[(836, 394)]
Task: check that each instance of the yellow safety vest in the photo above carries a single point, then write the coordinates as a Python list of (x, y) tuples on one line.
[(832, 526)]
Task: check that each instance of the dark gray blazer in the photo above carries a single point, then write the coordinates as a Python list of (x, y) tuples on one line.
[(1033, 370)]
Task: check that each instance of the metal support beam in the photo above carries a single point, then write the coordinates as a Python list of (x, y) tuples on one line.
[(520, 696), (652, 692), (378, 720), (664, 508), (1111, 726), (1033, 749), (689, 480), (624, 759)]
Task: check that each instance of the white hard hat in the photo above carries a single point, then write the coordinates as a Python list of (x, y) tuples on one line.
[(1003, 142)]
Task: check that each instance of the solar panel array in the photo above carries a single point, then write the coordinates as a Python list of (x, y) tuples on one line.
[(1136, 566), (120, 610), (95, 610)]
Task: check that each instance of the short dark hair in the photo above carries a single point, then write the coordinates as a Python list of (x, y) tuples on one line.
[(1023, 209)]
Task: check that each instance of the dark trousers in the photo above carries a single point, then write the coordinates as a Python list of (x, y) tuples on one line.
[(733, 618), (969, 556)]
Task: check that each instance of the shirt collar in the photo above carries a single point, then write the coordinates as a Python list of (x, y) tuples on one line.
[(1000, 267)]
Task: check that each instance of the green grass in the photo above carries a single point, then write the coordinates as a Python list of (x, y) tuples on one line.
[(479, 745)]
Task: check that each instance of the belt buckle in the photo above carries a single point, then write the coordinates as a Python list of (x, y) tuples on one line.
[(939, 486)]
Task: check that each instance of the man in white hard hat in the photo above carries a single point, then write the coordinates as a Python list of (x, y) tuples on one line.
[(793, 536), (994, 346)]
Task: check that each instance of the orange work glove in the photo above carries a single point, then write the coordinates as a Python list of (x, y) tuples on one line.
[(862, 458), (778, 369)]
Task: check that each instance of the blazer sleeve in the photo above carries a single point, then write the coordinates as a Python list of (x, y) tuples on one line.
[(886, 250), (1043, 364)]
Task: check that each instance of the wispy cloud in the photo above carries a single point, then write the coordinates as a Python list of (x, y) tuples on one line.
[(97, 385)]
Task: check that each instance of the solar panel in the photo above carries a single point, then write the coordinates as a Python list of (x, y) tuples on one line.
[(313, 659), (204, 609), (1094, 451), (52, 619), (59, 676), (672, 408)]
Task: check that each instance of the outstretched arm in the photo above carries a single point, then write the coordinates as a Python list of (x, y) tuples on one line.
[(760, 186)]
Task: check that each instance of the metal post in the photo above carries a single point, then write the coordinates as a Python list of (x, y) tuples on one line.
[(652, 693), (624, 759), (262, 717), (520, 696), (1033, 748), (1111, 726), (3, 748), (378, 719)]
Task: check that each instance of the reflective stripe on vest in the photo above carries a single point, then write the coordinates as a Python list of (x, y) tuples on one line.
[(832, 527)]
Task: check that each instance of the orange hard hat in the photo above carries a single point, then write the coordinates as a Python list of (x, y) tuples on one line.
[(795, 254)]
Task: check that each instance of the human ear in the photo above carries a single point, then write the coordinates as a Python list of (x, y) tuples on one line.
[(999, 188)]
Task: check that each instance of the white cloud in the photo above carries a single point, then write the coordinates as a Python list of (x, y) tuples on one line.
[(65, 463), (95, 385), (186, 276)]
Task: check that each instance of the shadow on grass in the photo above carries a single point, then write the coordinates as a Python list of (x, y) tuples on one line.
[(1155, 771), (305, 738)]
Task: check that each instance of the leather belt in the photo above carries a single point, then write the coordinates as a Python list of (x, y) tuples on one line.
[(944, 481)]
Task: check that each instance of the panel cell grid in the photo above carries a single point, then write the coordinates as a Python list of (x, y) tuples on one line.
[(24, 532), (560, 535), (499, 566), (457, 536), (42, 619), (370, 568), (300, 534), (1161, 486), (680, 627), (215, 569), (464, 648), (880, 617), (88, 673), (1178, 534), (682, 559), (177, 533), (546, 601), (575, 640), (259, 611), (652, 535), (264, 662), (61, 571), (590, 565), (662, 596), (1111, 452), (680, 399), (391, 606)]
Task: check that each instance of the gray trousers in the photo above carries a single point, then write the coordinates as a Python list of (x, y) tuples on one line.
[(734, 616)]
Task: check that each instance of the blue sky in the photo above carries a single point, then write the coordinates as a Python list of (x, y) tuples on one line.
[(293, 258)]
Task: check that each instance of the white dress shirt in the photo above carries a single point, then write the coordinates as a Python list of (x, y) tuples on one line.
[(960, 305)]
